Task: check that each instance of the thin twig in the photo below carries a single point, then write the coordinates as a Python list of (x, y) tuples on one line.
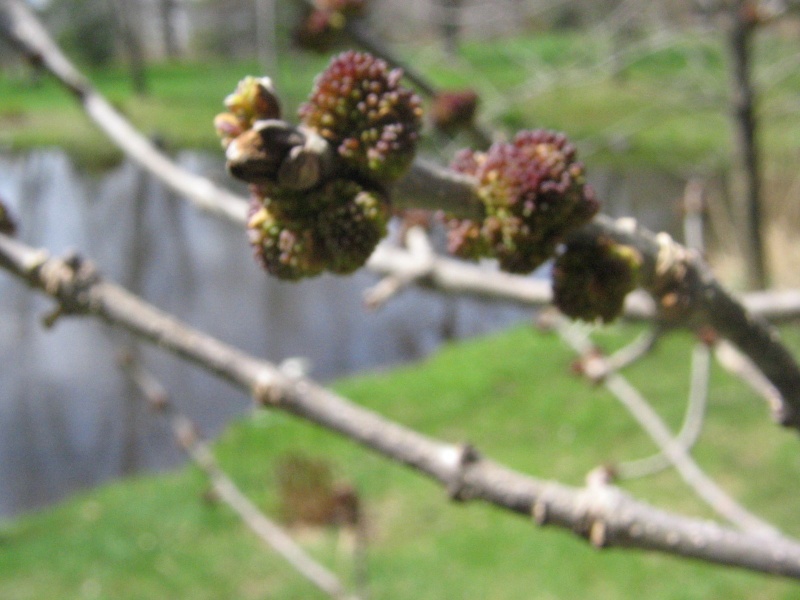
[(701, 356), (187, 436), (693, 206), (655, 428), (602, 514), (425, 186), (419, 247), (692, 424), (636, 350), (23, 29), (738, 364)]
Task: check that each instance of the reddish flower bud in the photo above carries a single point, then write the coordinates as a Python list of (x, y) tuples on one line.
[(228, 127), (533, 191), (318, 30), (359, 106), (452, 110)]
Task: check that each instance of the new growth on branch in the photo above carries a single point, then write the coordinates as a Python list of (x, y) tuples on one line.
[(320, 197), (320, 191)]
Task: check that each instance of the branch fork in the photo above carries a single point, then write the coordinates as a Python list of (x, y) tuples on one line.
[(420, 267)]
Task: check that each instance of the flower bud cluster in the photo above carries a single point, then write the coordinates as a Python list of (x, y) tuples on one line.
[(359, 106), (592, 277), (334, 227), (312, 211), (318, 31), (452, 110), (348, 8), (253, 100), (533, 192), (321, 25)]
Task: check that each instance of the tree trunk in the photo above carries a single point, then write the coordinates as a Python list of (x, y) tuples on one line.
[(128, 17), (747, 189), (171, 48), (450, 24)]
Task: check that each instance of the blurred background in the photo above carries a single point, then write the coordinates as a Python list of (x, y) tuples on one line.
[(650, 92)]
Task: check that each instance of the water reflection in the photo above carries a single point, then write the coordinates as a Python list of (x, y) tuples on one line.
[(67, 416)]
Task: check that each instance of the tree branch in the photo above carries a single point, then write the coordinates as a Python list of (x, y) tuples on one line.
[(738, 364), (692, 421), (603, 514), (708, 303), (655, 428), (187, 437), (22, 28)]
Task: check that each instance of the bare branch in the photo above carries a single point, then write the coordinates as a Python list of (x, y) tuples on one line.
[(698, 392), (738, 364), (432, 187), (22, 28), (748, 200), (655, 428), (692, 421), (636, 350), (455, 276), (603, 514), (187, 437), (420, 248), (708, 303)]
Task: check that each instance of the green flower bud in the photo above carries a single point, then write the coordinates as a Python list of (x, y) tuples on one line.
[(592, 277), (352, 226), (300, 234), (253, 100), (285, 247)]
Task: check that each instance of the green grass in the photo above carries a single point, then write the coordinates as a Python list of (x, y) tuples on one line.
[(667, 109), (668, 106), (183, 99), (511, 396)]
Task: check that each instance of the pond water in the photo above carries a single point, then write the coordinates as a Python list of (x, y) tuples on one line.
[(69, 419)]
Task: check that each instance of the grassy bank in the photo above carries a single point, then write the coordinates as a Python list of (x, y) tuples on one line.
[(511, 395), (663, 104), (183, 99)]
